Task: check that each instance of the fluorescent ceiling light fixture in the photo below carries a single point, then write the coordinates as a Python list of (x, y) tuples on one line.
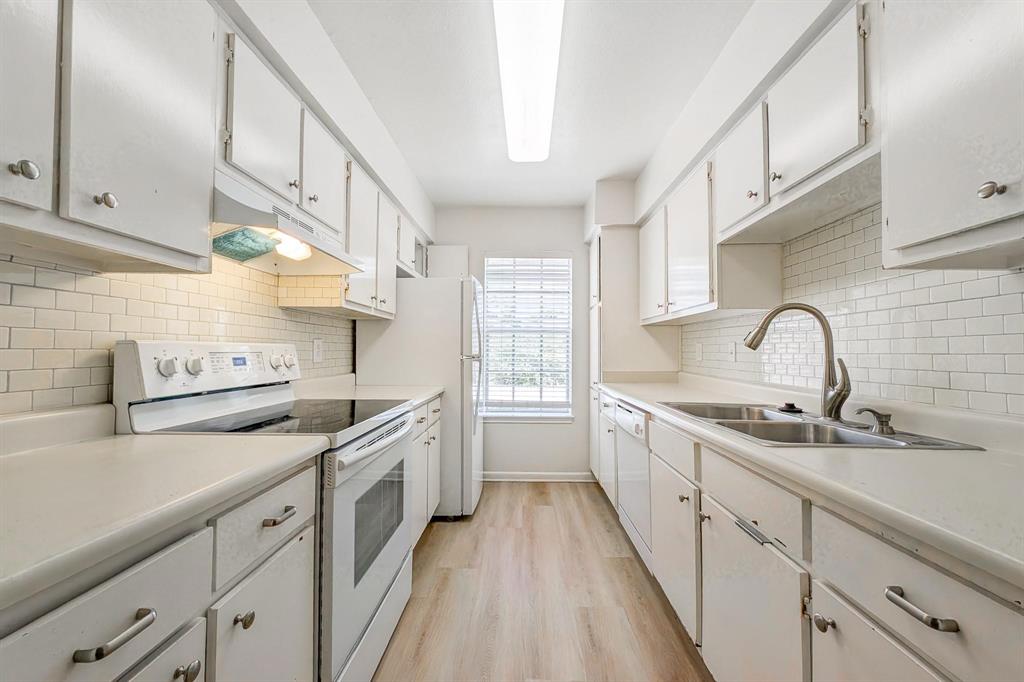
[(290, 247), (529, 36)]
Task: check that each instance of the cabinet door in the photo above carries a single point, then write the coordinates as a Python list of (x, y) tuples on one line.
[(323, 173), (264, 119), (741, 170), (433, 469), (595, 435), (608, 465), (138, 136), (853, 649), (814, 109), (689, 242), (416, 488), (674, 544), (263, 629), (594, 356), (387, 255), (952, 117), (752, 627), (362, 236), (652, 266), (595, 270), (406, 242), (28, 100)]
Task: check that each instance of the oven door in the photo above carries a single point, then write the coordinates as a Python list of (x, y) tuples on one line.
[(365, 535)]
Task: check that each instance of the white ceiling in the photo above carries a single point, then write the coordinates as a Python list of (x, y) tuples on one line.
[(430, 69)]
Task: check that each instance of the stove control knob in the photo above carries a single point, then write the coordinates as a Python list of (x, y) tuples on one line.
[(168, 367), (276, 361), (195, 365), (289, 361)]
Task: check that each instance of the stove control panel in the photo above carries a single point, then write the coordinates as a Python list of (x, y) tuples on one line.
[(144, 370)]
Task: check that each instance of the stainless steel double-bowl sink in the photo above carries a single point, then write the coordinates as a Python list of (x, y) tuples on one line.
[(772, 427)]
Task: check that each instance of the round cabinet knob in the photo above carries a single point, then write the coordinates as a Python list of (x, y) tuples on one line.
[(751, 194), (168, 367), (190, 672), (289, 360), (276, 362), (314, 198), (990, 189), (195, 365), (246, 620), (775, 176), (294, 183), (823, 623), (25, 169), (704, 517), (107, 199), (684, 498)]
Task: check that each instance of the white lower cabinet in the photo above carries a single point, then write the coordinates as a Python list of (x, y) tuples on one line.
[(264, 629), (433, 440), (183, 659), (416, 479), (608, 462), (752, 627), (595, 434), (674, 542), (848, 647)]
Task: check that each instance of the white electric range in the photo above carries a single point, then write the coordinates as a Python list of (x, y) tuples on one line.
[(234, 388)]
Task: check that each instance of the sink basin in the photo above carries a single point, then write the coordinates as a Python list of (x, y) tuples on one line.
[(717, 411), (809, 433)]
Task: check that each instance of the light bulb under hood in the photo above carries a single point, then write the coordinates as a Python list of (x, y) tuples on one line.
[(290, 247)]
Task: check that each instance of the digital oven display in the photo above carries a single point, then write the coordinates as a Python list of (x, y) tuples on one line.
[(238, 361)]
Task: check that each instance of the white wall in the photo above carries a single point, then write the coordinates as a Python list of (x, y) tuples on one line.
[(532, 450)]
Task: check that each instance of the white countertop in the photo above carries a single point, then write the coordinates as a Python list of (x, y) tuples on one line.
[(67, 507), (969, 504)]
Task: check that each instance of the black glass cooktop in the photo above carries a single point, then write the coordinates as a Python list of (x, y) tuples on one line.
[(298, 416)]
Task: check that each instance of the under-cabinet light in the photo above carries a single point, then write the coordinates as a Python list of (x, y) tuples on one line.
[(529, 34), (290, 247)]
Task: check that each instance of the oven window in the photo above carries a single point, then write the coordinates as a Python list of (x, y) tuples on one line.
[(378, 514)]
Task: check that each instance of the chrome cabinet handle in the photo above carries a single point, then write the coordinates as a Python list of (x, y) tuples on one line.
[(189, 672), (775, 176), (433, 438), (751, 530), (383, 301), (314, 198), (989, 189), (604, 404), (420, 420), (894, 593), (144, 617), (823, 623), (684, 498), (660, 306), (245, 620), (703, 516), (25, 169), (108, 199), (611, 430), (289, 511), (294, 183), (436, 410), (751, 194)]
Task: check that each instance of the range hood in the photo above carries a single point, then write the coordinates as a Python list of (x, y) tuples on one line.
[(251, 228)]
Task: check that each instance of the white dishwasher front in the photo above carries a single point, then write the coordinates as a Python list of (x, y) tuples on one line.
[(634, 475)]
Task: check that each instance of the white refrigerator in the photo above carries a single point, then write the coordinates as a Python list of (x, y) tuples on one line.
[(436, 339)]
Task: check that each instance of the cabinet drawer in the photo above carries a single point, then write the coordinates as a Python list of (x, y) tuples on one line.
[(853, 649), (421, 419), (185, 653), (677, 450), (434, 412), (776, 511), (172, 585), (246, 533), (263, 629), (989, 642), (607, 406)]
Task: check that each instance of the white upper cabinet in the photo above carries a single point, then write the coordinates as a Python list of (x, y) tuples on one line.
[(263, 120), (387, 255), (741, 170), (689, 245), (651, 289), (138, 133), (28, 67), (595, 270), (324, 173), (406, 242), (814, 109), (953, 129), (362, 236)]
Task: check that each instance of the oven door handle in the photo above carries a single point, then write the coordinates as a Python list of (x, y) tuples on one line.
[(346, 460)]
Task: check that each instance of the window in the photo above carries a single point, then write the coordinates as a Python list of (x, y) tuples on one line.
[(527, 337)]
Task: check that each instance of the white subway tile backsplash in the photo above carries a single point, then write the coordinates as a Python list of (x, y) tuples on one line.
[(58, 326), (949, 337)]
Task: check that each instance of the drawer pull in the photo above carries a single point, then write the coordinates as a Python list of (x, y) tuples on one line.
[(246, 619), (894, 593), (289, 511), (420, 420), (436, 410), (823, 623), (753, 532), (190, 672), (144, 617)]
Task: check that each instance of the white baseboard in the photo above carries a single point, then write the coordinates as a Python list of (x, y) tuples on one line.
[(549, 476)]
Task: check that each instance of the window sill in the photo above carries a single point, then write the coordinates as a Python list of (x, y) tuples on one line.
[(528, 419)]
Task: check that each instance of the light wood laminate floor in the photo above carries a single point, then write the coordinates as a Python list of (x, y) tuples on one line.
[(540, 584)]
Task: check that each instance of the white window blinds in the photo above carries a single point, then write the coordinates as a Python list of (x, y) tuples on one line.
[(528, 336)]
